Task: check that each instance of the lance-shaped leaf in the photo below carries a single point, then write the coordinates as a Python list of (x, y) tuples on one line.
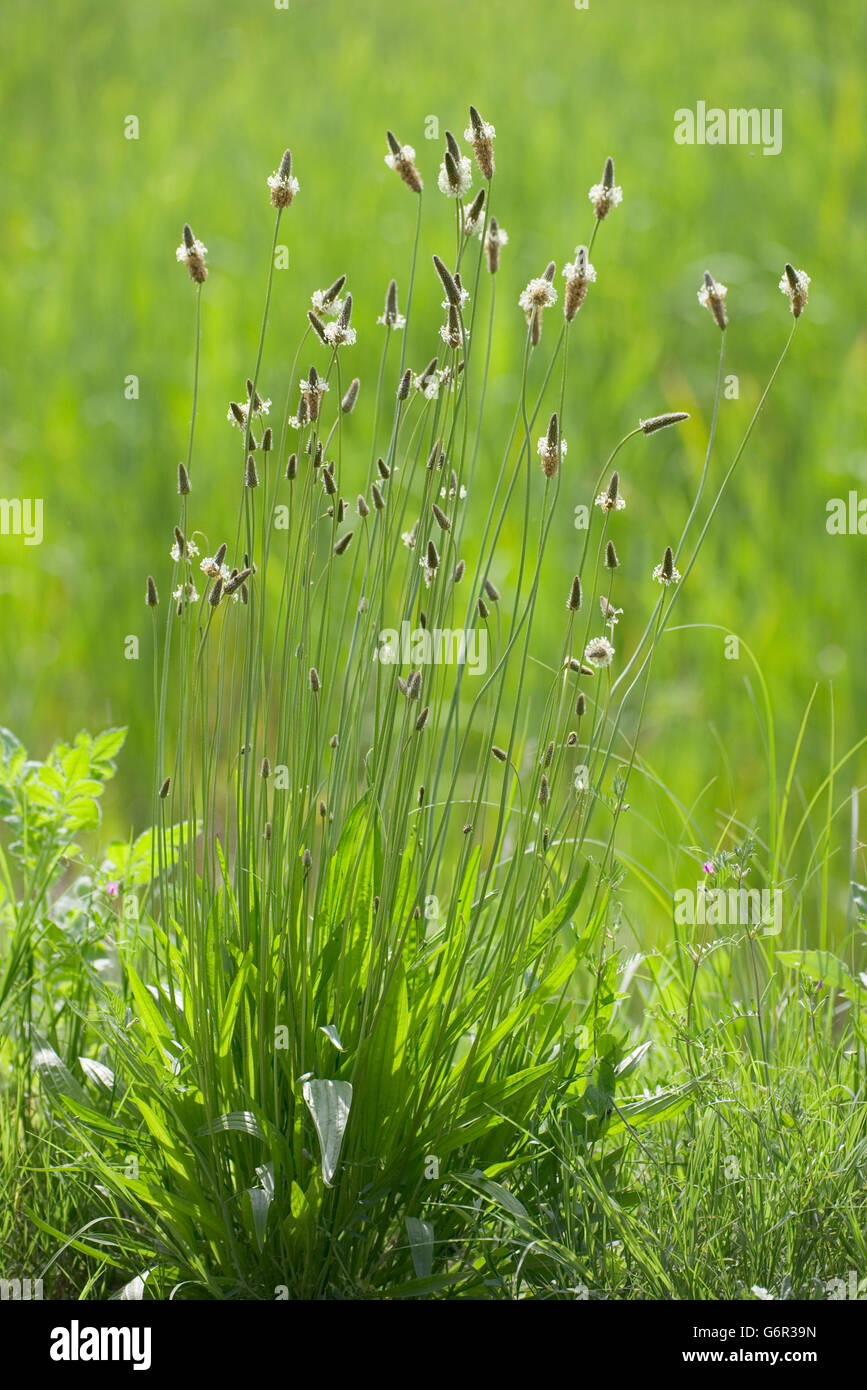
[(421, 1244), (328, 1103)]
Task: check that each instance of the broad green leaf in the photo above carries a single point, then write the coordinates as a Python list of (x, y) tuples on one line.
[(421, 1243), (498, 1194), (381, 1086), (650, 1110), (257, 1203), (150, 1016), (329, 1103), (134, 1290), (230, 1011), (237, 1121), (56, 1076), (96, 1071)]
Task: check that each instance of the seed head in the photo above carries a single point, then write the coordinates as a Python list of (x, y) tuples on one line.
[(473, 214), (283, 184), (484, 610), (796, 284), (292, 467), (578, 275), (251, 477), (611, 560), (318, 326), (606, 195), (422, 719), (315, 682), (404, 385), (543, 791), (538, 295), (551, 448), (164, 789), (453, 294), (573, 602), (451, 332), (441, 518), (661, 422), (383, 469), (492, 591), (495, 238), (459, 572), (499, 753), (152, 598), (361, 506), (598, 652), (401, 158), (328, 298), (666, 573), (413, 685), (307, 859), (183, 480), (610, 614), (390, 317), (428, 382), (378, 499), (455, 175), (549, 755), (191, 253), (236, 581), (480, 135), (712, 296), (216, 593), (580, 704), (267, 441), (433, 559), (265, 769), (255, 404), (344, 543)]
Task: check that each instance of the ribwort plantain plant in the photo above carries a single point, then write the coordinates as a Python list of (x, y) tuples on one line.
[(373, 948)]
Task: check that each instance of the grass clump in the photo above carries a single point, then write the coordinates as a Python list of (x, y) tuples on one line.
[(367, 960)]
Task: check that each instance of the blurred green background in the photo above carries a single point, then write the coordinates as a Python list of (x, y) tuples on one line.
[(91, 294)]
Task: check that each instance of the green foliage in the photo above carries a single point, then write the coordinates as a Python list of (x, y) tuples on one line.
[(394, 1019)]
